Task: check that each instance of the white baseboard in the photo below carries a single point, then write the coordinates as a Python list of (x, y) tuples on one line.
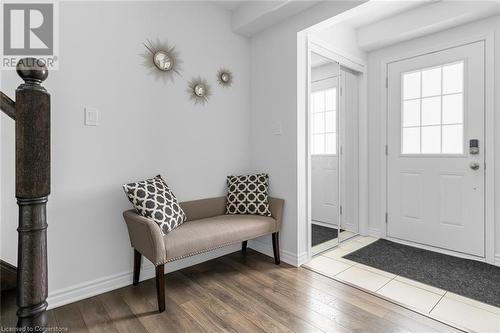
[(497, 260), (95, 287), (374, 232), (267, 249), (302, 258)]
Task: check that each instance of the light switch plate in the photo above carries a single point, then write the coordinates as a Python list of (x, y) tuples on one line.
[(91, 117), (277, 128)]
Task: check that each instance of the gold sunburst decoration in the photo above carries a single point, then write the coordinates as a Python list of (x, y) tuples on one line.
[(162, 59), (225, 77), (199, 90)]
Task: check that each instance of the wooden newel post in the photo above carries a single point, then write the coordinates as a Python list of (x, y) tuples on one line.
[(32, 114)]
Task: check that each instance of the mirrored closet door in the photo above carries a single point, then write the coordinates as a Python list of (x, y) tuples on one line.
[(324, 146)]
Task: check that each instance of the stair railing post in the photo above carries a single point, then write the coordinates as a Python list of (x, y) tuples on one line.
[(32, 113)]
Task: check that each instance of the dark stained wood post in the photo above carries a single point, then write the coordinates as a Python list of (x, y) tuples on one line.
[(32, 115)]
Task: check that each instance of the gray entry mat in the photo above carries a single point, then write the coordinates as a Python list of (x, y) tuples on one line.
[(469, 278), (321, 234)]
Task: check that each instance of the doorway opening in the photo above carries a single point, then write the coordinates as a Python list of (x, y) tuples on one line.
[(426, 166)]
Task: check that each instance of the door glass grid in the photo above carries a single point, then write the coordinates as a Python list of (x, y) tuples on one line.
[(324, 122), (432, 110)]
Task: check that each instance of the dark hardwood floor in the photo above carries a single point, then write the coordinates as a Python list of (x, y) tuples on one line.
[(236, 293)]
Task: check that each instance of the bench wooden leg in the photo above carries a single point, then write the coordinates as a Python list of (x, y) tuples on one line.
[(137, 267), (244, 247), (276, 248), (160, 287)]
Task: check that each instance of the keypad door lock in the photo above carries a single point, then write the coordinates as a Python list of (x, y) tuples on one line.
[(474, 146)]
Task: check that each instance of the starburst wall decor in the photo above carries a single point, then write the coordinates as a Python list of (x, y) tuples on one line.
[(199, 90), (162, 60), (225, 77)]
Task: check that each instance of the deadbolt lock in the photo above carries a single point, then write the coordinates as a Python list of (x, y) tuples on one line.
[(474, 146)]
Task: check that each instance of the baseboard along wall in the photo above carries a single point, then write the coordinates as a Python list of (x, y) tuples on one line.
[(102, 285)]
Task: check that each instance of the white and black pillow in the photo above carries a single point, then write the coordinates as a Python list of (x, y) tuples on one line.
[(248, 195), (153, 199)]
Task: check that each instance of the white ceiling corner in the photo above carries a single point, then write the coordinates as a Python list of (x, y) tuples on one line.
[(252, 16)]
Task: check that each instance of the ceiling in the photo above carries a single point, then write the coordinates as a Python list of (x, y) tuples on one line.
[(230, 5), (374, 11), (248, 17)]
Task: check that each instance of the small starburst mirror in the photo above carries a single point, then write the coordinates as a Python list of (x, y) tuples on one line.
[(162, 60), (225, 77), (199, 90)]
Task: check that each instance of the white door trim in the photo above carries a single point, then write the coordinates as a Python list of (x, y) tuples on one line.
[(321, 47), (304, 175), (488, 39)]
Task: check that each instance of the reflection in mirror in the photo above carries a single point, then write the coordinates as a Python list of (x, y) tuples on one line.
[(324, 148)]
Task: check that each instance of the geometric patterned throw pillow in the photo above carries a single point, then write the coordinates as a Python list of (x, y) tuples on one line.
[(248, 195), (153, 199)]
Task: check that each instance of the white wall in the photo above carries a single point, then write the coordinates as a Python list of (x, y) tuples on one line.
[(376, 152), (147, 128), (274, 86), (343, 37)]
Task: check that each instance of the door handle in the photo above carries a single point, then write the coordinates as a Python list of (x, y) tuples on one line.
[(474, 165)]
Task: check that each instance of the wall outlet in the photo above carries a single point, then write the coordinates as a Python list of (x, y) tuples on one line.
[(91, 117)]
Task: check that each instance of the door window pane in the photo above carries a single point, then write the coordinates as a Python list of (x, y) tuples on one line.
[(453, 139), (330, 122), (453, 109), (330, 99), (431, 111), (318, 100), (431, 140), (318, 122), (411, 113), (411, 140), (411, 85), (453, 78), (331, 143), (318, 146), (324, 122), (431, 82), (432, 115)]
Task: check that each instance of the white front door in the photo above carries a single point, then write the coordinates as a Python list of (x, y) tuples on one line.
[(435, 182), (324, 157), (325, 185)]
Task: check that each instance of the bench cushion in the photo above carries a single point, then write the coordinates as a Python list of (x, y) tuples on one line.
[(202, 235)]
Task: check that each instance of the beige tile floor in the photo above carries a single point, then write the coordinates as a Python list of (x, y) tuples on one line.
[(459, 311)]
